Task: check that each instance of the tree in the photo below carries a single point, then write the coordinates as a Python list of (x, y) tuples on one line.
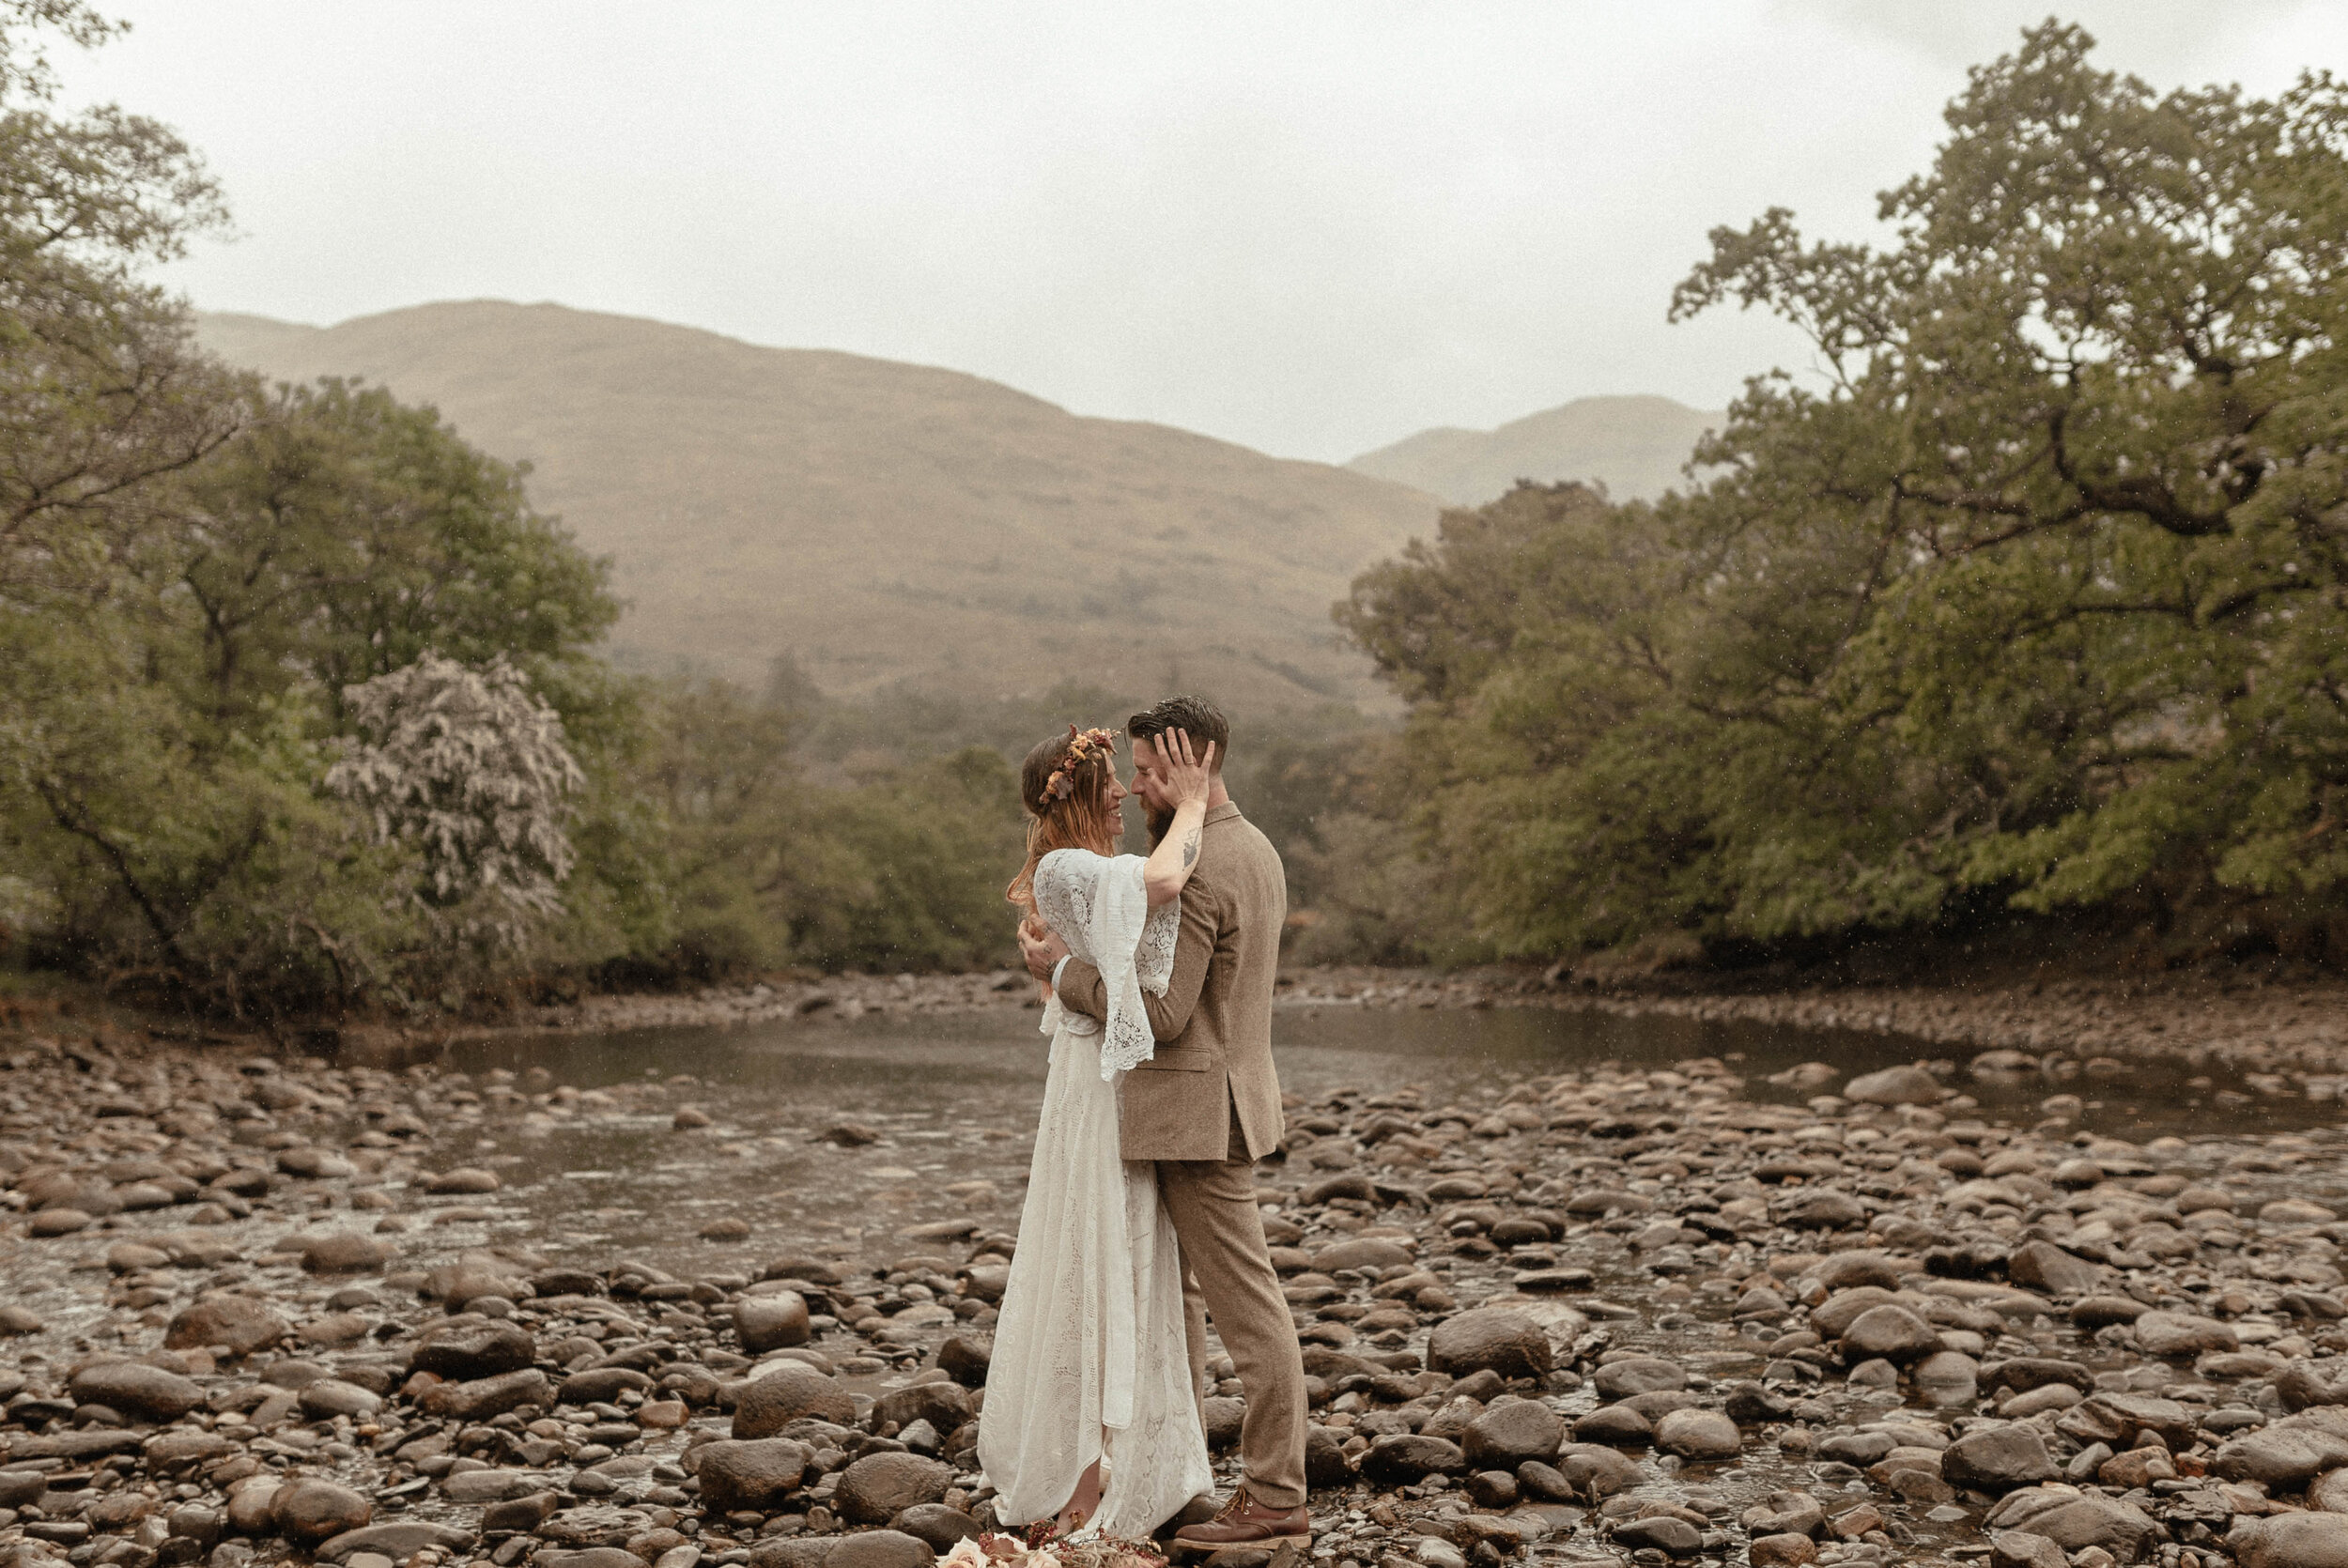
[(470, 768), (2035, 596)]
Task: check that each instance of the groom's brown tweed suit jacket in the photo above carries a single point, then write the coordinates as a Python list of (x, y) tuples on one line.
[(1213, 1024)]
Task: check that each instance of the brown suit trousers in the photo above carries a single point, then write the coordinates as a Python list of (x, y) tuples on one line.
[(1205, 1109)]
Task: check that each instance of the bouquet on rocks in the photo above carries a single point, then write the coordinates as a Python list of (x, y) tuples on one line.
[(1041, 1548)]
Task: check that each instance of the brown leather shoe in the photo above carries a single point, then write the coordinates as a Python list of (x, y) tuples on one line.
[(1246, 1522)]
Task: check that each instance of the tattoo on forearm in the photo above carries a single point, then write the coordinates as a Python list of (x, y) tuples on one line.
[(1190, 849)]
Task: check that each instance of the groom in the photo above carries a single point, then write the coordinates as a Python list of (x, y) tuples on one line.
[(1205, 1108)]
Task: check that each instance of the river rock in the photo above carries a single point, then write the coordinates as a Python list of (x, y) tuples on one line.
[(464, 1179), (2019, 1549), (1400, 1458), (1494, 1339), (309, 1508), (752, 1474), (398, 1540), (1891, 1332), (880, 1548), (239, 1323), (480, 1398), (328, 1397), (1998, 1459), (1780, 1551), (2291, 1540), (1819, 1208), (1505, 1436), (1662, 1532), (2075, 1520), (965, 1358), (138, 1391), (2042, 1265), (789, 1392), (944, 1406), (343, 1253), (2181, 1335), (600, 1385), (491, 1486), (472, 1347), (1698, 1435), (2288, 1454), (1638, 1375), (1900, 1085), (876, 1488), (775, 1322)]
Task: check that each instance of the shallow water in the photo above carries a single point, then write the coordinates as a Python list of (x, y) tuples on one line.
[(953, 1097)]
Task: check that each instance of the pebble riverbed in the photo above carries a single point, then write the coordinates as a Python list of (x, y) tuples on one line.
[(270, 1307)]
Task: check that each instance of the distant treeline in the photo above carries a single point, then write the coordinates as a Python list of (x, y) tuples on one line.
[(2029, 597)]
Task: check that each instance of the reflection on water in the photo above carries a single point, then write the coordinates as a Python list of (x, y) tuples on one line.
[(952, 1100)]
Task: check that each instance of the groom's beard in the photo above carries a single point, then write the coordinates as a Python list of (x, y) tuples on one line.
[(1157, 822)]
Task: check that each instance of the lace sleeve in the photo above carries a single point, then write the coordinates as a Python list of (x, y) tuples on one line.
[(1101, 906)]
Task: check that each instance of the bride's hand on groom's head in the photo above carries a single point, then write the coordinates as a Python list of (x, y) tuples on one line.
[(1188, 773)]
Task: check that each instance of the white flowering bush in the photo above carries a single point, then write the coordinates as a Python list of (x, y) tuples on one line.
[(470, 770)]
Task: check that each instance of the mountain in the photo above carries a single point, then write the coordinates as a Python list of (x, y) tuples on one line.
[(1635, 445), (884, 522)]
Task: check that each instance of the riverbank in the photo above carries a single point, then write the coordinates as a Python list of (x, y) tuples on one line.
[(273, 1307), (2298, 1031)]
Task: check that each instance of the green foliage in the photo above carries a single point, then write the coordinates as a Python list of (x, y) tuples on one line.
[(2040, 594)]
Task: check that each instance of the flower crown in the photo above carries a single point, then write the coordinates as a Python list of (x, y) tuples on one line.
[(1083, 745)]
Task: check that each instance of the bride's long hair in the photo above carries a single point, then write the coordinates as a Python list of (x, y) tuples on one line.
[(1082, 819)]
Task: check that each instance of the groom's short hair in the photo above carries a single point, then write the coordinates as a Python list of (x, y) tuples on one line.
[(1195, 716)]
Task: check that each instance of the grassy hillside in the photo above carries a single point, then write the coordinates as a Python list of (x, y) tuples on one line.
[(1634, 445), (885, 521)]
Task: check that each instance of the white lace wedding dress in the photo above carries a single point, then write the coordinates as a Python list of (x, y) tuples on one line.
[(1090, 1357)]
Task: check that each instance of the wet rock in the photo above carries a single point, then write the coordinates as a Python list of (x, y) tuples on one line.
[(1505, 1436), (938, 1525), (600, 1385), (880, 1548), (329, 1397), (2302, 1386), (964, 1358), (1495, 1338), (1819, 1208), (1698, 1435), (1891, 1332), (2288, 1454), (473, 1348), (1364, 1253), (470, 1280), (1400, 1458), (1616, 1425), (491, 1486), (1664, 1533), (343, 1253), (58, 1221), (1638, 1375), (775, 1322), (1590, 1469), (753, 1474), (879, 1486), (1900, 1085), (310, 1509), (2019, 1549), (464, 1179), (2042, 1265), (480, 1398), (786, 1392), (1780, 1551), (2075, 1520), (2181, 1335), (525, 1512), (15, 1320), (2291, 1540), (399, 1540), (1998, 1459), (138, 1391)]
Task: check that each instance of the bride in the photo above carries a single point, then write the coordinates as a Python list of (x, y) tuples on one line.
[(1089, 1360)]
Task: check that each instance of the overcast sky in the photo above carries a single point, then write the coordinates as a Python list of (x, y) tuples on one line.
[(1310, 227)]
